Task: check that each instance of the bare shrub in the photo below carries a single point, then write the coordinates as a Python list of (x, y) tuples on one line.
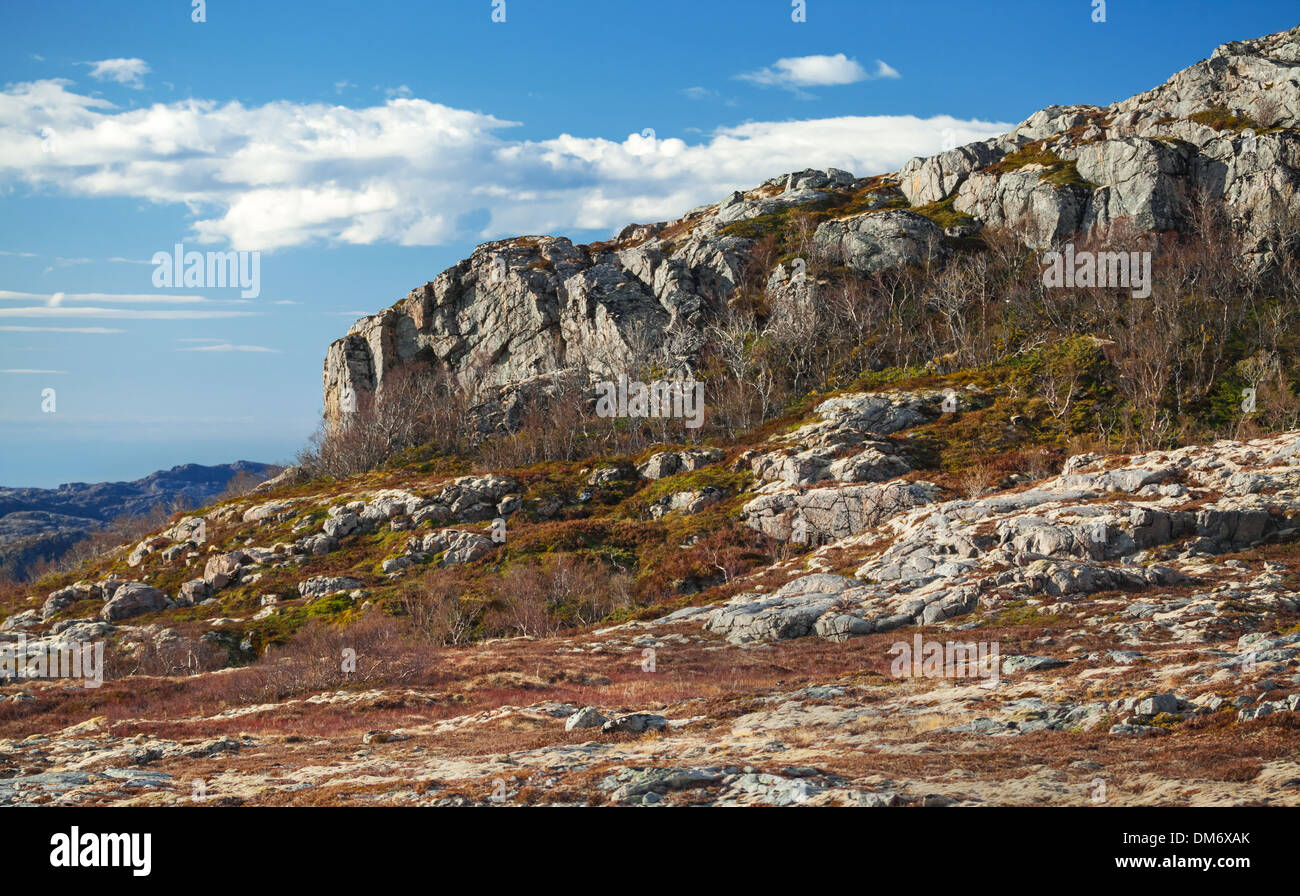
[(416, 405), (373, 649), (976, 478), (439, 609), (542, 597)]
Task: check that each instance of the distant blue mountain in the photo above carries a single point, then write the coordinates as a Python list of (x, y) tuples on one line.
[(42, 523)]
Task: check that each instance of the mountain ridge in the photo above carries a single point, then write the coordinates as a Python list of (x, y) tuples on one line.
[(40, 523)]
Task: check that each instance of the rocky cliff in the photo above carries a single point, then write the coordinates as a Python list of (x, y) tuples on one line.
[(1225, 129)]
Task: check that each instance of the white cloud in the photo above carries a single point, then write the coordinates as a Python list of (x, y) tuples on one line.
[(798, 72), (809, 71), (227, 347), (885, 70), (413, 172), (123, 71), (28, 370)]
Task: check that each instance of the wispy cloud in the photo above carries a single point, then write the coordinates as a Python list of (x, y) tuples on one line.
[(29, 370), (61, 261), (62, 311), (703, 94), (97, 331), (123, 71), (227, 347), (58, 298)]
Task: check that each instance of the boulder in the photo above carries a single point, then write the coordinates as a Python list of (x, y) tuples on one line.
[(456, 545), (587, 717), (134, 599), (634, 723), (269, 510), (60, 600), (321, 586), (195, 591), (223, 569)]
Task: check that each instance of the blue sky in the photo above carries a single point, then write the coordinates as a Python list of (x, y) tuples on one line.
[(361, 148)]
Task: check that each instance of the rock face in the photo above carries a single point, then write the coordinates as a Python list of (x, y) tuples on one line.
[(881, 240), (517, 309), (829, 514), (1095, 528), (522, 309)]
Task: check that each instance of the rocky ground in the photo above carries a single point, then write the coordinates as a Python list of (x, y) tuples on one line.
[(1139, 618)]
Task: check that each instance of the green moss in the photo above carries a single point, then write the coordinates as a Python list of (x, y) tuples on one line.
[(1222, 119), (872, 380), (872, 199), (717, 476), (328, 607), (1166, 721), (779, 223), (1057, 171), (944, 214), (876, 195), (1067, 175), (1035, 153), (1020, 613)]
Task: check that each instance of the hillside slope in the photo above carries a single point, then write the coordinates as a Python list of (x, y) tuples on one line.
[(1124, 632)]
